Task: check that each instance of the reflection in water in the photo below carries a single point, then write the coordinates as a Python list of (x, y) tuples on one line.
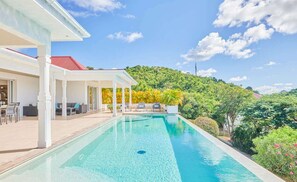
[(198, 158)]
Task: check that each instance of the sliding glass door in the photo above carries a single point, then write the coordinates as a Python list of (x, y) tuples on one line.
[(92, 98)]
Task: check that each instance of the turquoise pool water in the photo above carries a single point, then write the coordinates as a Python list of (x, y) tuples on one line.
[(136, 148)]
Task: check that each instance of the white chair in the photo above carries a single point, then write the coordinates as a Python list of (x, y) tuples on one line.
[(12, 110), (17, 111), (2, 112)]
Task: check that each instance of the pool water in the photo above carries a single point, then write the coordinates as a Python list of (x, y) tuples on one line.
[(136, 148)]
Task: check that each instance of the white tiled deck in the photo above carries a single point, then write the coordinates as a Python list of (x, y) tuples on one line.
[(18, 141)]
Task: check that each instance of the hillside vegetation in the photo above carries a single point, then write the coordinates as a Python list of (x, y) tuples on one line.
[(202, 96), (162, 78)]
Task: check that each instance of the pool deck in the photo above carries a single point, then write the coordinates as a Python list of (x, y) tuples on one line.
[(18, 141)]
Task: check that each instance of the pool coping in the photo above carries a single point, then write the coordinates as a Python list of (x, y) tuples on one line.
[(35, 155), (262, 173)]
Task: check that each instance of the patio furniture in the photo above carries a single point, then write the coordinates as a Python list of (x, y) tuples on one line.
[(156, 106), (75, 106), (2, 113), (127, 107), (17, 110), (83, 108), (141, 106), (30, 110), (11, 111), (70, 110)]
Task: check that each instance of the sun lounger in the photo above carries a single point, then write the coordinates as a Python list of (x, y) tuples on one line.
[(141, 106), (156, 106)]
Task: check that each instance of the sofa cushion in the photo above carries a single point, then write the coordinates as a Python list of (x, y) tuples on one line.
[(76, 106)]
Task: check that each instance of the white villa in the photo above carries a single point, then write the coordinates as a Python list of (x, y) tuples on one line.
[(47, 80)]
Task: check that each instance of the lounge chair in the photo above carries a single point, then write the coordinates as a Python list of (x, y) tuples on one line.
[(156, 106), (141, 106)]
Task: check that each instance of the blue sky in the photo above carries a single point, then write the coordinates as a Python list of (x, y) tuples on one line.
[(249, 43)]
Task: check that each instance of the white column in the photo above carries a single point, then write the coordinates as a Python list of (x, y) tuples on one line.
[(44, 97), (64, 99), (100, 97), (114, 98), (130, 98), (93, 98), (53, 94), (86, 94), (123, 100), (97, 98)]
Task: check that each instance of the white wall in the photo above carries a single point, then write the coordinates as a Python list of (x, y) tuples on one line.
[(26, 88), (75, 92)]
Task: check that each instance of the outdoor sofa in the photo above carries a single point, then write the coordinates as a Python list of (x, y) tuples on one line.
[(72, 108)]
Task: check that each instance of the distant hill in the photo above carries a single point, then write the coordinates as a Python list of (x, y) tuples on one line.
[(165, 78), (292, 92), (202, 96)]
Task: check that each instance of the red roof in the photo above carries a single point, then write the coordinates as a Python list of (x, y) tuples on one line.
[(257, 96), (67, 62)]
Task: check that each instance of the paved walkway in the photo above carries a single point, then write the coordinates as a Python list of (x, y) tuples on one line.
[(18, 141)]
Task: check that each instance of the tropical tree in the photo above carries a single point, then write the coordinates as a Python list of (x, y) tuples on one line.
[(262, 116), (233, 99), (273, 111), (172, 97)]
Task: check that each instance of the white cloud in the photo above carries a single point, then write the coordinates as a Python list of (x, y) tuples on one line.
[(186, 72), (129, 16), (206, 73), (208, 47), (238, 78), (126, 36), (258, 68), (275, 88), (283, 84), (83, 14), (236, 45), (270, 63), (97, 5), (289, 84), (278, 84), (261, 17), (256, 33), (281, 15)]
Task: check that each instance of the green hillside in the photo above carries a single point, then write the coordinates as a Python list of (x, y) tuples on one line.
[(202, 96), (166, 78)]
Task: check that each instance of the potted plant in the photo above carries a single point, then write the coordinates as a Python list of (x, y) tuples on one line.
[(171, 98), (110, 107)]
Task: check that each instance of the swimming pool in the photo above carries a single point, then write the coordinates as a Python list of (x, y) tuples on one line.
[(135, 148)]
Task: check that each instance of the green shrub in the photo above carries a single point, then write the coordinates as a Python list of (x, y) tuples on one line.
[(208, 125), (277, 152), (243, 135), (110, 107), (189, 107)]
